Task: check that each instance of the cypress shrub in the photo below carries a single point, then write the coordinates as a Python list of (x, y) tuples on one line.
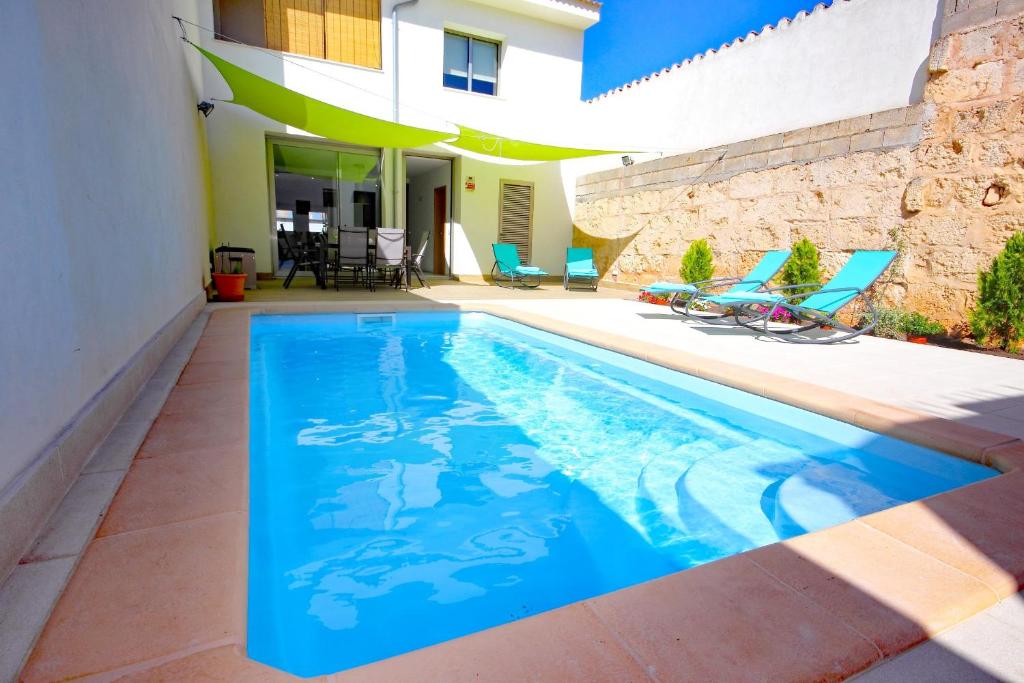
[(697, 264), (802, 267), (999, 314)]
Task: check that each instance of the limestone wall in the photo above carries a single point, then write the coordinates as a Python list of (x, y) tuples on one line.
[(942, 182), (959, 15)]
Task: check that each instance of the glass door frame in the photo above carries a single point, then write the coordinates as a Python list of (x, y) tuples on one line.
[(271, 139)]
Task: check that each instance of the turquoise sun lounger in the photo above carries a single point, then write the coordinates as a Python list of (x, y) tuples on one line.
[(758, 278), (809, 309), (508, 269), (579, 265)]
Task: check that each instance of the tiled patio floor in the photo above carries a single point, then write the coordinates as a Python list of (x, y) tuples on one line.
[(159, 594)]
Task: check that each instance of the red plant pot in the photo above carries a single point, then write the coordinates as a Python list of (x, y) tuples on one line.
[(230, 286), (917, 340)]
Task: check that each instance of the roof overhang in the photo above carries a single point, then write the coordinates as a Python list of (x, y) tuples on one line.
[(581, 14)]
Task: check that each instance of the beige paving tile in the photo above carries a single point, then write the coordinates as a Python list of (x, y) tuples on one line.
[(139, 596), (189, 485), (888, 591), (1006, 458), (228, 398), (991, 552), (197, 373), (731, 621), (181, 432), (568, 644), (226, 664)]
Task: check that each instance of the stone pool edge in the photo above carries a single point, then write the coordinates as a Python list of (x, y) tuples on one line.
[(826, 605)]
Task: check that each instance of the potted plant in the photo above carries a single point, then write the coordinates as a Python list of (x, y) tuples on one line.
[(656, 299), (230, 286), (919, 327)]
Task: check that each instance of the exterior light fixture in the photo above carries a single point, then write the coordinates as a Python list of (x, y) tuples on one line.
[(205, 107), (627, 160)]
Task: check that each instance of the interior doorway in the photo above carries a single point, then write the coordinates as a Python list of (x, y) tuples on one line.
[(428, 216), (440, 220)]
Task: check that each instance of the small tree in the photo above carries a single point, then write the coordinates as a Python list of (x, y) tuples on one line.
[(999, 314), (697, 262), (802, 267)]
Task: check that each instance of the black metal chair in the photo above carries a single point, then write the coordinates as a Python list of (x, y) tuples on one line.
[(302, 256)]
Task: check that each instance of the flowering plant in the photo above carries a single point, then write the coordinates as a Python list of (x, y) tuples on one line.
[(781, 315), (647, 297)]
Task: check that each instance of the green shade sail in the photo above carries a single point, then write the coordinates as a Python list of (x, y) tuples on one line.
[(479, 142), (319, 118), (313, 116)]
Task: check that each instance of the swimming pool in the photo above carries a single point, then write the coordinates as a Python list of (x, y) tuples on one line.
[(421, 476)]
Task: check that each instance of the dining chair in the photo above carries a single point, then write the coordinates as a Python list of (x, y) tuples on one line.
[(302, 257), (353, 255), (415, 263), (389, 255)]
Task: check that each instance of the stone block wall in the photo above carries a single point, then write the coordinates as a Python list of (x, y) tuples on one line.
[(959, 15), (941, 182)]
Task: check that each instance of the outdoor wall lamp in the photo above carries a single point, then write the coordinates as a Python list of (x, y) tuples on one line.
[(627, 160), (205, 107)]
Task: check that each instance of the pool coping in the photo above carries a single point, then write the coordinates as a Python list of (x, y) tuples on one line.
[(838, 601)]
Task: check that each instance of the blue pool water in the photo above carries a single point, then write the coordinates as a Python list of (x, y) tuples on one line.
[(420, 477)]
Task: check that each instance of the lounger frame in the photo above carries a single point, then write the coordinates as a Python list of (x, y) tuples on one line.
[(508, 277), (680, 301), (748, 316)]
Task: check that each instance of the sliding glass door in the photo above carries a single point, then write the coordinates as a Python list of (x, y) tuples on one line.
[(319, 189)]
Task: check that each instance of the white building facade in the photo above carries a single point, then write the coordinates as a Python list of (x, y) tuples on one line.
[(511, 67)]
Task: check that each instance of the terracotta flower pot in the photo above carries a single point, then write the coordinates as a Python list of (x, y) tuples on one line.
[(230, 286), (917, 340)]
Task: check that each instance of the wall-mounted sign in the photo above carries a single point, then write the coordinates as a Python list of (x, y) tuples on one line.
[(470, 183)]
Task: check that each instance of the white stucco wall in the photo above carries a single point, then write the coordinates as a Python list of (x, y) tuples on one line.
[(855, 57), (476, 216), (105, 203), (540, 74)]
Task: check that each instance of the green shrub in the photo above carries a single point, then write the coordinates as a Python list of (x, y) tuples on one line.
[(697, 263), (890, 322), (895, 323), (802, 267), (999, 314), (919, 325)]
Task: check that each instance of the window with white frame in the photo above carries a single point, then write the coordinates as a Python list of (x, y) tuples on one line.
[(470, 64)]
